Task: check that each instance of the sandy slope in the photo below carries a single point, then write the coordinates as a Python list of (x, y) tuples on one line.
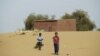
[(71, 43)]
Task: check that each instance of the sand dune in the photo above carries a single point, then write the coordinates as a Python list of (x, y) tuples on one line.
[(71, 44)]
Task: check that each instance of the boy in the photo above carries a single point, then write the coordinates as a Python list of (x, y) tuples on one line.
[(56, 43), (39, 41)]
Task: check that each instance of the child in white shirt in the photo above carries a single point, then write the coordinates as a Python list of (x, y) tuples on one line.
[(39, 41)]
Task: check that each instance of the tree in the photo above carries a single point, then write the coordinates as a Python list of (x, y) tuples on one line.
[(98, 29), (29, 22), (83, 22), (67, 16), (41, 17), (46, 17), (53, 17)]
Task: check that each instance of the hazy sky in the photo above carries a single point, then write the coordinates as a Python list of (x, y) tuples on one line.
[(14, 12)]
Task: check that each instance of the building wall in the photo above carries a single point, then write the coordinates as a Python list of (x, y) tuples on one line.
[(45, 25), (58, 25), (66, 25)]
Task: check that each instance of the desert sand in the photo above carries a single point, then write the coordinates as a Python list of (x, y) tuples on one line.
[(72, 43)]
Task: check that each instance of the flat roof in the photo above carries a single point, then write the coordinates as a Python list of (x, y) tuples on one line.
[(46, 20), (51, 20)]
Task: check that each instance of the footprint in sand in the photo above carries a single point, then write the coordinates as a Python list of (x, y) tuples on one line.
[(67, 54), (0, 42)]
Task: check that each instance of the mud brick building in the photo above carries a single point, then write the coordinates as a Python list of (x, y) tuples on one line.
[(56, 25)]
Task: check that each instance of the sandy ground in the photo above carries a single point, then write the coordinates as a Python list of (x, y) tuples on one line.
[(71, 44)]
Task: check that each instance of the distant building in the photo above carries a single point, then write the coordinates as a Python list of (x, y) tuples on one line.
[(56, 25)]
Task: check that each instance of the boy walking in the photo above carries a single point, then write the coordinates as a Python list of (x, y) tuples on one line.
[(56, 43), (39, 41)]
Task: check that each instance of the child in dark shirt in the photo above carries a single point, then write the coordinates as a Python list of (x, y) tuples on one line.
[(56, 43)]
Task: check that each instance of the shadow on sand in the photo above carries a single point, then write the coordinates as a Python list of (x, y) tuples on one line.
[(54, 54)]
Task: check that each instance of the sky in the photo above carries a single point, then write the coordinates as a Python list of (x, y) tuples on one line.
[(14, 12)]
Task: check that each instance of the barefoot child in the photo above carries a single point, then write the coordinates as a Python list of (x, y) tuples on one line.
[(39, 41), (56, 43)]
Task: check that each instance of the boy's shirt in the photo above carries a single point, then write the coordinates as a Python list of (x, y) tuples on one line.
[(56, 40), (39, 39)]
